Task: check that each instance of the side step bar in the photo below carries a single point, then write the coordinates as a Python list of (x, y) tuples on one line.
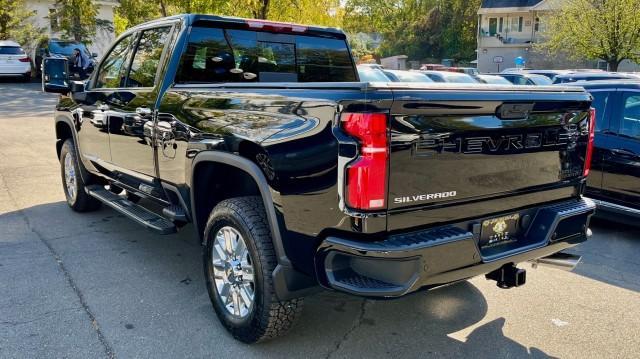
[(135, 212)]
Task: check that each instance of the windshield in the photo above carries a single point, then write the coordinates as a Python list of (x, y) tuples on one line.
[(494, 80), (66, 47), (11, 50), (406, 76), (371, 75), (540, 80), (459, 78)]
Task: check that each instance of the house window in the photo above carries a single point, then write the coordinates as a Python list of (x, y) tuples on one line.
[(501, 24), (520, 20), (537, 24), (517, 23), (53, 20)]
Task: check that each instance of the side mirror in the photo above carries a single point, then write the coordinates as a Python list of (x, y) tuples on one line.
[(94, 55), (55, 75)]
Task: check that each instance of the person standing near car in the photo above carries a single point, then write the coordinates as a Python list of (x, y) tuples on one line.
[(80, 63)]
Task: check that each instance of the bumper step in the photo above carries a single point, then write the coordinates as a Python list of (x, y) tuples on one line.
[(137, 213)]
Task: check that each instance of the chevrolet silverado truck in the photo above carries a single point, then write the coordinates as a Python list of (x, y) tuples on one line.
[(297, 176)]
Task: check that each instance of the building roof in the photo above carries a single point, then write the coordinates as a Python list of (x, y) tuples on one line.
[(508, 3)]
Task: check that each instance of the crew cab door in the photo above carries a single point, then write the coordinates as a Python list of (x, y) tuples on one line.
[(621, 162), (94, 105), (131, 107)]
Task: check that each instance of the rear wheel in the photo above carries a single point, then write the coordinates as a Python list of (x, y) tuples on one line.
[(238, 261), (73, 181)]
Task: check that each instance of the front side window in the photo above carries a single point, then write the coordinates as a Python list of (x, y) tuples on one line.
[(630, 124), (112, 71), (147, 57)]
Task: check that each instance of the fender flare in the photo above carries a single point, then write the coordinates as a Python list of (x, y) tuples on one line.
[(84, 173), (254, 171)]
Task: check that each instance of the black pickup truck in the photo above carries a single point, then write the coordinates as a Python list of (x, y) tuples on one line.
[(298, 176)]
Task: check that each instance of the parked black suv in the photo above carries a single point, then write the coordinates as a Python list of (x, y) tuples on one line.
[(64, 48), (295, 174), (614, 181)]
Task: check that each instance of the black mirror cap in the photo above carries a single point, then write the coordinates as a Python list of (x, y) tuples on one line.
[(55, 88), (77, 86), (94, 54)]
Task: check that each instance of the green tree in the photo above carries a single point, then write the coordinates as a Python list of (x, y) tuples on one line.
[(16, 24), (319, 12), (595, 29), (78, 19), (420, 29)]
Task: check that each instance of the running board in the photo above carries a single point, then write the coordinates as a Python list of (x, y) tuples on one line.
[(137, 213), (616, 208)]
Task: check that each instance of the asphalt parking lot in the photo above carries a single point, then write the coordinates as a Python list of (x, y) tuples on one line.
[(97, 285)]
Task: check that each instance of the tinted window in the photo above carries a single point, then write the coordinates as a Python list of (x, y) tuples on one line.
[(215, 55), (147, 57), (630, 125), (11, 50), (111, 74), (266, 61), (208, 58), (323, 60), (600, 101)]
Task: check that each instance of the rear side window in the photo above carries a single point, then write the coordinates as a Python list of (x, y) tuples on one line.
[(324, 60), (600, 101), (11, 50), (216, 55)]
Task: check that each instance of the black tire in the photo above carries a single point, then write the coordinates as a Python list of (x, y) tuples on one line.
[(81, 202), (268, 317)]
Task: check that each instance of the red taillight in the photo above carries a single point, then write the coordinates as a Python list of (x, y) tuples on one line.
[(25, 59), (367, 175), (592, 135), (275, 26)]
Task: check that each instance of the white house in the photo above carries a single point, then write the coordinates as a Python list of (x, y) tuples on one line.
[(45, 18), (507, 29)]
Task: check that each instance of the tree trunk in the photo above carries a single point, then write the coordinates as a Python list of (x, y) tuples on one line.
[(264, 9), (612, 64), (163, 9)]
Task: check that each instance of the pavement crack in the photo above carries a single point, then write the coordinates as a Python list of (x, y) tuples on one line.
[(356, 324), (40, 317), (92, 318)]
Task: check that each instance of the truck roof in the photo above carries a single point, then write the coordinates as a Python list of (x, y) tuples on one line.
[(256, 24)]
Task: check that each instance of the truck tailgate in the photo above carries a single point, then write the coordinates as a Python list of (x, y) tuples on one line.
[(450, 149)]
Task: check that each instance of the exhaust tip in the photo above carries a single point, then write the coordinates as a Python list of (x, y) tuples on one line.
[(560, 260)]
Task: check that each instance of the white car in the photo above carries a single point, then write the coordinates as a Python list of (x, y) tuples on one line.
[(14, 62)]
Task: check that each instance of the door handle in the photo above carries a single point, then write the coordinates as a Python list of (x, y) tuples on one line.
[(103, 107), (143, 111)]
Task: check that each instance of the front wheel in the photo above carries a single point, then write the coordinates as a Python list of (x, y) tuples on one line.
[(73, 181), (238, 262)]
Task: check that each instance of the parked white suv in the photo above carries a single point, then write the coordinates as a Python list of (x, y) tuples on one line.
[(14, 61)]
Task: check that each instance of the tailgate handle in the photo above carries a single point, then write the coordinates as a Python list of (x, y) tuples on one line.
[(508, 111)]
